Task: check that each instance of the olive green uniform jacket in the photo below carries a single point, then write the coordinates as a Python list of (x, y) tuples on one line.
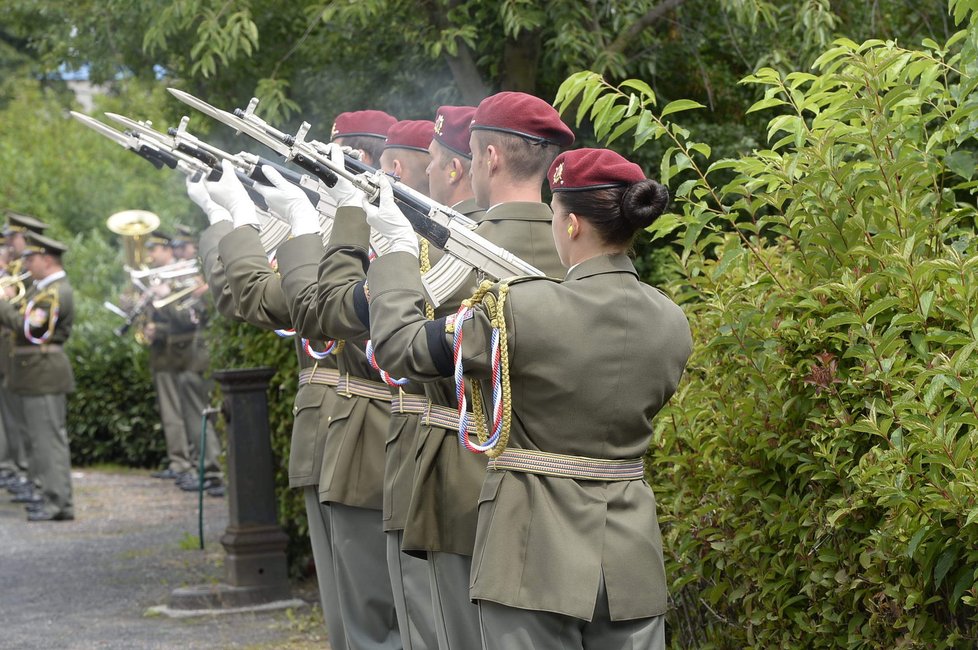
[(40, 369), (353, 465), (257, 293), (444, 497), (592, 360)]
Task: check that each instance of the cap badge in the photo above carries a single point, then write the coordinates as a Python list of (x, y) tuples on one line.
[(559, 174), (439, 123), (332, 134)]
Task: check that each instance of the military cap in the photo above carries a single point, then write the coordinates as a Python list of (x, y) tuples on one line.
[(158, 238), (452, 128), (366, 124), (523, 115), (410, 134), (38, 243), (591, 169), (17, 222)]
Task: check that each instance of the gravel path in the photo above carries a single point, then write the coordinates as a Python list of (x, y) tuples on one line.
[(88, 583)]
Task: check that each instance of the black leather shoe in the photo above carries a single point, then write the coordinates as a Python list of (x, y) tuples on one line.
[(167, 473), (44, 515), (186, 477), (194, 486), (215, 491), (19, 485)]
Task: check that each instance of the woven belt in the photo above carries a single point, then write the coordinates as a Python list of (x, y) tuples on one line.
[(445, 417), (360, 387), (44, 348), (328, 376), (409, 403), (563, 466)]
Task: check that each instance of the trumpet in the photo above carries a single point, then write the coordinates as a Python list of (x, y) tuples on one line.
[(16, 281)]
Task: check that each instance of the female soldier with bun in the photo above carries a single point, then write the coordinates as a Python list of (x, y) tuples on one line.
[(568, 552)]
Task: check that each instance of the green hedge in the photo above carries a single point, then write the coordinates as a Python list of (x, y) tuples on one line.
[(817, 472)]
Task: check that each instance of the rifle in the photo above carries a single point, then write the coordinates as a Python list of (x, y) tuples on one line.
[(445, 228), (163, 152)]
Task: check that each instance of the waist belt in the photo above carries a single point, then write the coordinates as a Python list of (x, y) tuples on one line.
[(563, 466), (360, 387), (44, 348), (328, 376), (409, 403)]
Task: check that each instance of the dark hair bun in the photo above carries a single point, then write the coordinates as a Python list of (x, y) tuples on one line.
[(643, 202)]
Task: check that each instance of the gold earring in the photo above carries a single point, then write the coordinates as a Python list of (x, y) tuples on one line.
[(570, 230)]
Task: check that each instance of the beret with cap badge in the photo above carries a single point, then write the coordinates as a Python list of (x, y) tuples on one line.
[(452, 128), (591, 169), (523, 115)]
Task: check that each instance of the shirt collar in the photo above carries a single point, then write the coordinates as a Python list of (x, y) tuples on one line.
[(54, 277), (520, 211)]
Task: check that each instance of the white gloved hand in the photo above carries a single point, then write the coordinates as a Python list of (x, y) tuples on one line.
[(197, 192), (389, 221), (289, 202), (345, 193), (230, 194)]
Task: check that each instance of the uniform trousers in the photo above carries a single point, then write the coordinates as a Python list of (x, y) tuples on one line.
[(362, 579), (412, 595), (320, 535), (511, 628), (194, 396), (14, 452), (171, 416), (50, 459), (456, 617)]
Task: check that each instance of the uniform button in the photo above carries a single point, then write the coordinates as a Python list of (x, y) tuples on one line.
[(295, 410), (329, 418)]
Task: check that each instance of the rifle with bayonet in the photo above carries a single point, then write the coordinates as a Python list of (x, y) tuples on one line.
[(445, 228)]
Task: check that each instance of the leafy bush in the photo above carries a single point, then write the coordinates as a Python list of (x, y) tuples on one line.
[(817, 470)]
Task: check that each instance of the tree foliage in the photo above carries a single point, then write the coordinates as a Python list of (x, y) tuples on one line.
[(817, 471)]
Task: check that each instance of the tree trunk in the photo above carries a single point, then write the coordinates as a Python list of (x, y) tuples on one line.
[(521, 59), (467, 78)]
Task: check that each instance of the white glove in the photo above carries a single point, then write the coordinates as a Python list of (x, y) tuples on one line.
[(198, 194), (345, 193), (388, 220), (289, 202), (230, 194)]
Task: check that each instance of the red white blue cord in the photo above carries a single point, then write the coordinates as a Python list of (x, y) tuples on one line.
[(390, 381)]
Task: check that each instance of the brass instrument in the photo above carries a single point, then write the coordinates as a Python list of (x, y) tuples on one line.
[(133, 226), (15, 281)]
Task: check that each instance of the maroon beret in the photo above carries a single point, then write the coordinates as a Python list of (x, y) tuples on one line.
[(591, 169), (452, 128), (370, 124), (523, 115), (410, 134)]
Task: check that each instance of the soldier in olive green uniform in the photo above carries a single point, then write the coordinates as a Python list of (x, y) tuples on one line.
[(41, 375), (246, 287), (568, 552), (178, 358), (352, 477), (21, 484), (521, 136), (334, 310)]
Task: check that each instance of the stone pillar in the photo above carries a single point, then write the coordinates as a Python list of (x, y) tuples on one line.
[(257, 571)]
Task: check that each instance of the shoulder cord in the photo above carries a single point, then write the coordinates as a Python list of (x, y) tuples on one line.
[(52, 295), (502, 407), (429, 312)]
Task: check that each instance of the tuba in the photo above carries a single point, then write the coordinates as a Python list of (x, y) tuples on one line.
[(133, 226)]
